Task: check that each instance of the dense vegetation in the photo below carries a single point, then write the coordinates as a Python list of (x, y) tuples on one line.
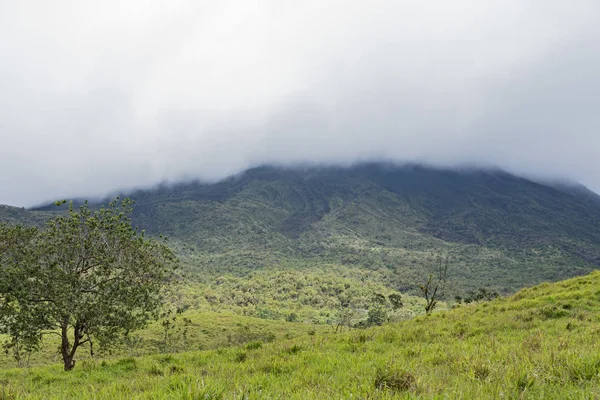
[(540, 343), (500, 232)]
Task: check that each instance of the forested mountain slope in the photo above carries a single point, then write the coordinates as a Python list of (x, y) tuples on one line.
[(497, 230)]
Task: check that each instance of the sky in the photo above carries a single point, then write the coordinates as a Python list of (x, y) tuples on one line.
[(97, 96)]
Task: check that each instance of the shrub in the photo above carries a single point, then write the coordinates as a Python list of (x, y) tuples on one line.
[(241, 356), (254, 345), (376, 316), (482, 294), (176, 369), (156, 370), (291, 317), (553, 312), (294, 349), (481, 371), (395, 380)]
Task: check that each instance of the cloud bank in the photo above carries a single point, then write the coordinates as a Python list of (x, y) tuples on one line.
[(98, 96)]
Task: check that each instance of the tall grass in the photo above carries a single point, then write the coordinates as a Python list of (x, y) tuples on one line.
[(509, 348)]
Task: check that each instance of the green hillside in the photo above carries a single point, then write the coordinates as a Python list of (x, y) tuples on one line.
[(500, 231), (283, 269), (497, 230), (540, 343), (16, 215)]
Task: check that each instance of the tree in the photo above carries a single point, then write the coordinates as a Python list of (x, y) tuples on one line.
[(482, 294), (434, 285), (396, 301), (377, 314), (89, 277), (345, 313), (169, 321), (15, 251)]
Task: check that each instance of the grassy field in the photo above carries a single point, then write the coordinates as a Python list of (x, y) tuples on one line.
[(542, 342), (232, 311), (193, 330)]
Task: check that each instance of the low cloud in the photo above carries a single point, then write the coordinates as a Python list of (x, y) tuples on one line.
[(98, 96)]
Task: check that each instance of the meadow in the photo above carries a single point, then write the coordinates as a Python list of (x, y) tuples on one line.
[(542, 342)]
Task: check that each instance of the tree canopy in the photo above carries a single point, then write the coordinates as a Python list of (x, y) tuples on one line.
[(89, 277)]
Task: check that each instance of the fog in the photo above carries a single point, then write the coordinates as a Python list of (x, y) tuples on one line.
[(99, 96)]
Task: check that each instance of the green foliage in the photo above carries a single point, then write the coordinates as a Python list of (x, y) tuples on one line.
[(324, 295), (391, 378), (501, 232), (482, 294), (89, 276), (503, 347), (173, 324), (377, 315), (395, 300)]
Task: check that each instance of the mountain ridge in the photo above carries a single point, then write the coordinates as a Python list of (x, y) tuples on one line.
[(498, 230)]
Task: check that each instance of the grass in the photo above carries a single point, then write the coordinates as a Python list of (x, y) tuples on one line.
[(206, 330), (540, 343)]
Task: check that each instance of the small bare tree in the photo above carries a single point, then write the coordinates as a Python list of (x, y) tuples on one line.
[(344, 315), (434, 285)]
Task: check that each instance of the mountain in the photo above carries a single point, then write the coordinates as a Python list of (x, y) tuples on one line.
[(495, 230)]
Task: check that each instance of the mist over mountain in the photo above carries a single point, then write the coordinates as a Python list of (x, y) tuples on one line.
[(97, 96)]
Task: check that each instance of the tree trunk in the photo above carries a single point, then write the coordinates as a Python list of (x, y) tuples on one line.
[(69, 362), (66, 350)]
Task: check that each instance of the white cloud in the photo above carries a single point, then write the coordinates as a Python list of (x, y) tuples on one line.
[(104, 95)]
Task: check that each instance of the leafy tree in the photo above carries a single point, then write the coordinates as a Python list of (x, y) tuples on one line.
[(291, 317), (343, 318), (395, 300), (88, 277), (377, 315), (379, 299), (15, 251), (482, 294)]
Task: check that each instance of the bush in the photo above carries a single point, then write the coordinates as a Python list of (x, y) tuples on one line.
[(395, 380), (254, 345), (482, 294), (553, 312), (294, 349), (291, 317), (241, 356), (156, 370), (376, 316)]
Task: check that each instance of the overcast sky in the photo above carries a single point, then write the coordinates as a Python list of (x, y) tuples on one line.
[(102, 95)]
